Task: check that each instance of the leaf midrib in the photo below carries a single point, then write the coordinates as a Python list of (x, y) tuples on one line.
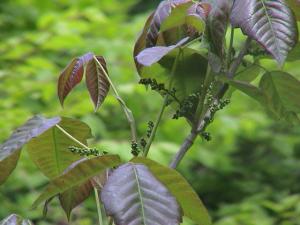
[(56, 153)]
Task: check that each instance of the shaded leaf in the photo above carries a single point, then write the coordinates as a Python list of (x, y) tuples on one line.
[(217, 23), (152, 55), (78, 175), (132, 195), (295, 6), (270, 22), (188, 199), (14, 219), (50, 150), (71, 76), (73, 197), (96, 81), (10, 149)]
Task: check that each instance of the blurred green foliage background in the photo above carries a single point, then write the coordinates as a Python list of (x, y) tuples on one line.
[(247, 175)]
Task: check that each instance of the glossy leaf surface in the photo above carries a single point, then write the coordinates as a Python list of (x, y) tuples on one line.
[(82, 172), (10, 149), (96, 81), (269, 22), (15, 220), (133, 196), (188, 199)]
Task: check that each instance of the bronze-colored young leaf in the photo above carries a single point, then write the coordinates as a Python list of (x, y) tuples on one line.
[(14, 219), (96, 81), (10, 149), (50, 150), (72, 75), (188, 199), (81, 173), (132, 195), (73, 197), (270, 22)]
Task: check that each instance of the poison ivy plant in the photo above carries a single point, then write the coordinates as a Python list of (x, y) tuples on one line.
[(15, 220)]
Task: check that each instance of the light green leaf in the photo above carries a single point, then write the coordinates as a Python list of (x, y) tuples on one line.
[(187, 198)]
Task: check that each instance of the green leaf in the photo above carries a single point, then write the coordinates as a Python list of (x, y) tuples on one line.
[(50, 150), (132, 195), (188, 199), (270, 22), (14, 219), (10, 149), (281, 92), (295, 6), (82, 172), (96, 81), (71, 198)]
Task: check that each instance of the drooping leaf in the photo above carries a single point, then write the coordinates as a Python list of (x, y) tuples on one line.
[(270, 22), (295, 6), (188, 199), (73, 197), (96, 81), (14, 219), (72, 75), (281, 91), (50, 150), (217, 23), (78, 175), (132, 195), (10, 149), (152, 55)]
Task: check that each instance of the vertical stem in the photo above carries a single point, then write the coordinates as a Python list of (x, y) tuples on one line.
[(99, 210), (128, 113), (229, 55)]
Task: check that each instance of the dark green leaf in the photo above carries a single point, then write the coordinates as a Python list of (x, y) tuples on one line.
[(10, 149), (72, 75), (270, 22), (187, 198), (96, 81), (78, 175), (132, 195), (50, 150)]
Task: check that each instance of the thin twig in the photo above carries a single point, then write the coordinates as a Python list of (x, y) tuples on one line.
[(127, 111), (188, 142), (99, 210)]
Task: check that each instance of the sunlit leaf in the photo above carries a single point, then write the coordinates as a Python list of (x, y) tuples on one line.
[(96, 81), (132, 195), (269, 22), (71, 76), (188, 199), (10, 149), (78, 175), (14, 219), (50, 150)]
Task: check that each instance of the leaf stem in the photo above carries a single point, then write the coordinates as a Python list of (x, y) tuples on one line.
[(127, 111), (98, 203), (206, 118), (99, 210), (229, 55)]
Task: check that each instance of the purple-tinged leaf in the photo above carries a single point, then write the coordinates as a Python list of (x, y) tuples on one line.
[(162, 12), (217, 23), (78, 175), (96, 81), (14, 219), (10, 149), (132, 195), (270, 22), (72, 75), (152, 55)]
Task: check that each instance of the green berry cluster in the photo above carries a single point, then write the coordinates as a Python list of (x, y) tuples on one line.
[(135, 149), (150, 128), (206, 136), (188, 106), (86, 152)]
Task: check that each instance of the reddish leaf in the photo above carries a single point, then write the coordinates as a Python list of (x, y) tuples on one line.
[(71, 76), (96, 81)]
